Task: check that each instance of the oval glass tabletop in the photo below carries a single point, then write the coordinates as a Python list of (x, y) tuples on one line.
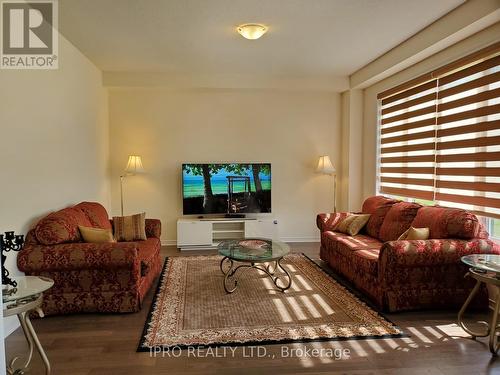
[(28, 286), (253, 249), (483, 262)]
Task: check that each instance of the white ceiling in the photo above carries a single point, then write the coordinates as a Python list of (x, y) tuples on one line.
[(306, 38)]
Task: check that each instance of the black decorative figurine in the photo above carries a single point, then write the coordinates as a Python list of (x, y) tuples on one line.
[(8, 243)]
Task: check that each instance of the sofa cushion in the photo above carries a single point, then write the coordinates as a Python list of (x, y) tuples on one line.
[(361, 242), (398, 219), (377, 207), (371, 204), (346, 245), (96, 213), (61, 226), (448, 222)]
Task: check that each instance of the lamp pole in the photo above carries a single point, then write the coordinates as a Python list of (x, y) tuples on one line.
[(335, 193), (121, 193)]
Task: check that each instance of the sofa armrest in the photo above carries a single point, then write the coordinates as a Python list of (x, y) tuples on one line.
[(78, 256), (153, 228), (327, 222), (417, 253)]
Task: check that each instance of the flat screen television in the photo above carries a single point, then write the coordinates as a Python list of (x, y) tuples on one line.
[(229, 188)]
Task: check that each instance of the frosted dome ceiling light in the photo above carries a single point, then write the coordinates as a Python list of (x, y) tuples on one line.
[(252, 31)]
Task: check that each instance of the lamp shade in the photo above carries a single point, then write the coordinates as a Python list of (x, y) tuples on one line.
[(325, 166), (134, 165)]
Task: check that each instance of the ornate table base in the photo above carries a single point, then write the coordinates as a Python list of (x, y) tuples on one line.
[(22, 309), (491, 328), (231, 277)]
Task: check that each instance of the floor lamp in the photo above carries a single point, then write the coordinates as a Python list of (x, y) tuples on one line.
[(134, 166), (325, 166)]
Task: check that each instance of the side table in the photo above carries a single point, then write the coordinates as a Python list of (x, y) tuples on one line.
[(484, 268), (26, 298)]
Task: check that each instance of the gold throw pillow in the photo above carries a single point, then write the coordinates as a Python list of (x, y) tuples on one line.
[(415, 234), (96, 235), (352, 224), (130, 228)]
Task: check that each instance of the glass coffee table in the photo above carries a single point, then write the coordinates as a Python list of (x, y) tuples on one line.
[(484, 268), (254, 253)]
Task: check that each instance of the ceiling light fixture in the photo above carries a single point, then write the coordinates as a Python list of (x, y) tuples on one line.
[(252, 30)]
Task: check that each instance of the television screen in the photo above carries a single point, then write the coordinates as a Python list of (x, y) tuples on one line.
[(230, 188)]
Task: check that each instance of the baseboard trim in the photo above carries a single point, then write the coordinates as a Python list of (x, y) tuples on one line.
[(169, 242)]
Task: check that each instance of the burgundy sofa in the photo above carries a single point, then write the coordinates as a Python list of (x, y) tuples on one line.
[(407, 275), (90, 277)]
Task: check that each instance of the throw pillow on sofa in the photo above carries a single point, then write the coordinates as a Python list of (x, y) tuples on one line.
[(377, 207), (61, 227), (398, 220), (446, 222), (130, 228), (96, 235), (352, 224), (415, 234), (96, 213)]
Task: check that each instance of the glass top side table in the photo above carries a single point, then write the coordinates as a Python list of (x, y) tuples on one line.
[(26, 298), (484, 268)]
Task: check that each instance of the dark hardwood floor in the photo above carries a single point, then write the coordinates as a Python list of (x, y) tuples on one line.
[(98, 344)]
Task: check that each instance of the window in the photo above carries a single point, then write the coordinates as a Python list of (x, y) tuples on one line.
[(494, 228), (439, 136)]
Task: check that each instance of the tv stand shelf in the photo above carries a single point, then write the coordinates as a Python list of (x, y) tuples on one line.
[(228, 231), (203, 234), (232, 219)]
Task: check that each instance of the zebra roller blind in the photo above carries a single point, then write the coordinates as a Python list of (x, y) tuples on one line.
[(439, 135)]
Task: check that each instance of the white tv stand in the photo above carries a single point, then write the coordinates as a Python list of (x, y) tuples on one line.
[(203, 234)]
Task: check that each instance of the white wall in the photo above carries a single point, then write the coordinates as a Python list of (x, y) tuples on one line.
[(169, 127), (467, 19), (54, 151)]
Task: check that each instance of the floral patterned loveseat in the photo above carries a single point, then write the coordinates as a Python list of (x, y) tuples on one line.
[(407, 275), (90, 277)]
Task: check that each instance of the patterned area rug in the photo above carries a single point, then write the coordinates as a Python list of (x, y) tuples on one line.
[(191, 307)]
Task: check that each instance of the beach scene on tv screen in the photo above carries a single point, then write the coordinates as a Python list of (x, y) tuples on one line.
[(226, 188)]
